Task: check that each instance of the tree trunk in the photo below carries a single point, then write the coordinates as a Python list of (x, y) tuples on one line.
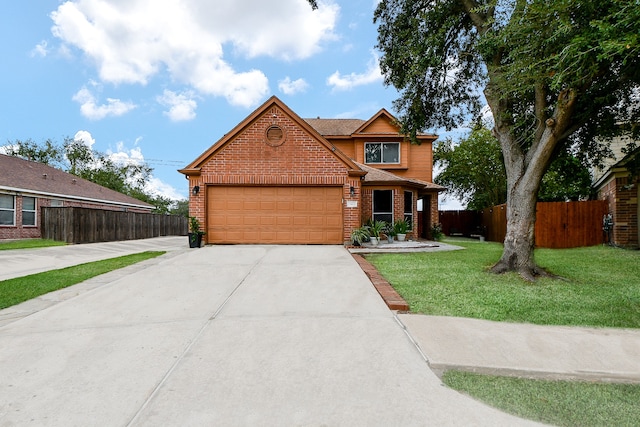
[(519, 241), (525, 168)]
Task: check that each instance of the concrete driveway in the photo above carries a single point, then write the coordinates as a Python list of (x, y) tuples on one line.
[(230, 336)]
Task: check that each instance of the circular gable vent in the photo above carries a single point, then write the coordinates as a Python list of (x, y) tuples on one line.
[(275, 135)]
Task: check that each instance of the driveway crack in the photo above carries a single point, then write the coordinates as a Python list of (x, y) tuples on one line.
[(195, 339)]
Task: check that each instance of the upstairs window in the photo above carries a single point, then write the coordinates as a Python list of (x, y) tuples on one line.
[(28, 211), (7, 209), (382, 152)]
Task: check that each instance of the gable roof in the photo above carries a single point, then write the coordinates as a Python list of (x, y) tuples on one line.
[(382, 114), (376, 176), (24, 176), (616, 163), (194, 167), (359, 127)]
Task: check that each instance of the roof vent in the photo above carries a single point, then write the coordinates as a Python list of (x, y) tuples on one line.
[(274, 136), (44, 176)]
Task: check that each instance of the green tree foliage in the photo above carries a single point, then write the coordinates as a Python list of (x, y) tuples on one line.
[(76, 158), (555, 73), (48, 152), (473, 171), (566, 179), (180, 207)]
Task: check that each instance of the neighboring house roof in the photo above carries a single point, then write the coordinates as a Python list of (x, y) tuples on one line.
[(19, 175), (381, 177), (616, 163)]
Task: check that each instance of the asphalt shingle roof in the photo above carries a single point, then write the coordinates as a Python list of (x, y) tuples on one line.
[(17, 174), (335, 127), (379, 176)]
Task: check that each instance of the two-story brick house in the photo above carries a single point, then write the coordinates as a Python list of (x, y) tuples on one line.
[(278, 178)]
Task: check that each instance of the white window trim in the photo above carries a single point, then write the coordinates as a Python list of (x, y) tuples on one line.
[(382, 162), (13, 224), (34, 211)]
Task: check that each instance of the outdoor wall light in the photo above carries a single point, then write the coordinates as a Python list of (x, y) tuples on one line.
[(352, 191), (196, 190)]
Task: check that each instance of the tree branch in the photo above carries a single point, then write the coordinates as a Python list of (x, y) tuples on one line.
[(479, 19), (540, 104)]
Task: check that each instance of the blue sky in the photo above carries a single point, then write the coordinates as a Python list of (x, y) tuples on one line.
[(163, 81)]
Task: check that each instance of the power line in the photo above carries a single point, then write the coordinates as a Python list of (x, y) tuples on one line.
[(163, 162)]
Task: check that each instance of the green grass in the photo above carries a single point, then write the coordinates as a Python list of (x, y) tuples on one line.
[(600, 286), (561, 403), (19, 289), (29, 244)]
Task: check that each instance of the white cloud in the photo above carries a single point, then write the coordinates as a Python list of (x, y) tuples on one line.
[(133, 156), (182, 106), (91, 110), (132, 41), (124, 156), (289, 87), (4, 149), (41, 49), (85, 137), (158, 187), (347, 82)]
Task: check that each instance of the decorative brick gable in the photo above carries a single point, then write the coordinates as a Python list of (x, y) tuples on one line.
[(248, 158)]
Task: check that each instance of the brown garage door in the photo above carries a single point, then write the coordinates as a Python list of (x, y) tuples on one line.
[(274, 215)]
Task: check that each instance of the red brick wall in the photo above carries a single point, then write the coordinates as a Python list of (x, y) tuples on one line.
[(622, 196), (17, 231), (398, 206), (248, 159)]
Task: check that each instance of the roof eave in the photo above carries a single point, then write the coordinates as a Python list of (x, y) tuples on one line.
[(71, 197)]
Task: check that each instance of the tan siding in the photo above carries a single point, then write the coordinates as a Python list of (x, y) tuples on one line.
[(381, 125)]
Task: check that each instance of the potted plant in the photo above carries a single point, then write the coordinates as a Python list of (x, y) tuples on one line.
[(401, 226), (436, 231), (390, 232), (195, 235), (375, 228), (359, 236)]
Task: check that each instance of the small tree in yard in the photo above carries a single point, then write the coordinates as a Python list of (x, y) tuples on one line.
[(555, 73), (473, 170)]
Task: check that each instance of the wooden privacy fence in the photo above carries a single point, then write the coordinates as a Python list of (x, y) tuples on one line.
[(460, 223), (83, 225), (558, 224)]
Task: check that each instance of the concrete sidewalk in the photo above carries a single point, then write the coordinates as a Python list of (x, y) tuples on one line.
[(227, 335), (525, 350), (22, 262)]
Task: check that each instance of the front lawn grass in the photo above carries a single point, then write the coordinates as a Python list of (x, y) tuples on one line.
[(561, 403), (600, 285), (19, 289), (29, 244)]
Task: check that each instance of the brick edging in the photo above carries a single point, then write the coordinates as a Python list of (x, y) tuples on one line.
[(393, 300)]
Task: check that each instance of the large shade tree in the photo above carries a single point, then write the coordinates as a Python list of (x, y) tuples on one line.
[(473, 171), (555, 73)]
